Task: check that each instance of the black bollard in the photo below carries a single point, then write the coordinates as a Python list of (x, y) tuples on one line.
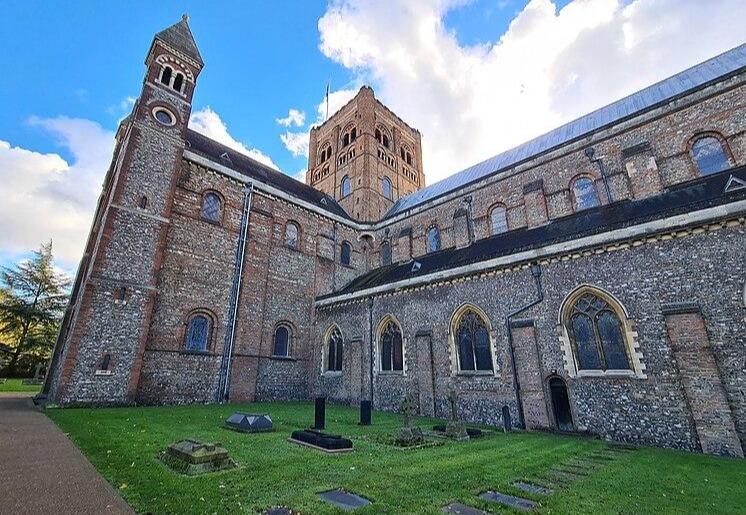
[(365, 413), (320, 413), (507, 423)]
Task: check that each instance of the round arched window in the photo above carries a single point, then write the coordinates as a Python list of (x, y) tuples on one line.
[(164, 116)]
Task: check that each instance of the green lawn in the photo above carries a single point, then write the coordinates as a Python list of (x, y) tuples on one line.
[(122, 443), (14, 385)]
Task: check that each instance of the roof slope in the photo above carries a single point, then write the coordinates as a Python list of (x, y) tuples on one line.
[(252, 169), (703, 193), (717, 68), (180, 37)]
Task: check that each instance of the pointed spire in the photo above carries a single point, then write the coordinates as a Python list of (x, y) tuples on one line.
[(180, 37)]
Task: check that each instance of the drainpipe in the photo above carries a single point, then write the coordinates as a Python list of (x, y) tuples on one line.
[(370, 347), (590, 153), (536, 273), (230, 334)]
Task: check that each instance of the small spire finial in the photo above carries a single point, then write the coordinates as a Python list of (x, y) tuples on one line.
[(185, 17)]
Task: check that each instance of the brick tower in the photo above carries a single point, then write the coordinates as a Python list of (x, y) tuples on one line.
[(98, 359), (366, 157)]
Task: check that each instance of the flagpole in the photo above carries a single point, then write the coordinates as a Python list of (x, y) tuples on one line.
[(327, 100)]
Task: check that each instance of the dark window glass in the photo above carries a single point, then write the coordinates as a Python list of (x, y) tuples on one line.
[(498, 220), (388, 190), (143, 202), (291, 235), (345, 253), (345, 140), (282, 341), (211, 207), (105, 362), (385, 141), (433, 239), (409, 158), (586, 196), (709, 155), (378, 136), (597, 335), (166, 76), (353, 135), (385, 254), (345, 188), (473, 341), (334, 351), (164, 117), (391, 348), (198, 333), (178, 82)]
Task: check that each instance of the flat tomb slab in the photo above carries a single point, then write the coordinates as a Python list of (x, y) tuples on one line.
[(195, 457), (320, 440), (532, 488), (344, 500), (249, 422), (462, 509), (518, 503)]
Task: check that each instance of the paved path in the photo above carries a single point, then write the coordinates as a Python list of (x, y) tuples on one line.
[(41, 471)]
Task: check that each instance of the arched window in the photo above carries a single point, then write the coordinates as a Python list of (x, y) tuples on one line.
[(596, 334), (388, 189), (345, 186), (390, 347), (292, 231), (385, 253), (378, 136), (386, 142), (498, 220), (472, 340), (166, 75), (584, 193), (199, 327), (334, 350), (281, 346), (178, 82), (345, 253), (345, 140), (211, 209), (709, 155), (433, 239)]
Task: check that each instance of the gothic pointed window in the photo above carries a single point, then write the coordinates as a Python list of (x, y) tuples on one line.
[(498, 220), (433, 239), (166, 75), (333, 349), (709, 155), (473, 342), (198, 331), (385, 253), (388, 189), (211, 207), (584, 194), (345, 253), (292, 233), (391, 347), (345, 186), (596, 334), (281, 347)]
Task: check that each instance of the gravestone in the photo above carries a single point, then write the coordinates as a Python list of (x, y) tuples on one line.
[(193, 457), (410, 434), (320, 440), (507, 422), (455, 428), (249, 423), (462, 509), (320, 413), (517, 503), (344, 500)]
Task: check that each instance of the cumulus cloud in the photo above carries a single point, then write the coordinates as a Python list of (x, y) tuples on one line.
[(296, 143), (550, 66), (294, 117), (207, 122), (45, 196)]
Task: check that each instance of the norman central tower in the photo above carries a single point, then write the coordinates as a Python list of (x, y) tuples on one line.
[(365, 157)]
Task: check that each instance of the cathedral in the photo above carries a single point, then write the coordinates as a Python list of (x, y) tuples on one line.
[(590, 280)]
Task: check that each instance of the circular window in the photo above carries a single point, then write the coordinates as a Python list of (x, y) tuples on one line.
[(164, 116)]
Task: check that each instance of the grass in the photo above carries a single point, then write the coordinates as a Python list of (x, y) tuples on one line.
[(122, 443), (15, 385)]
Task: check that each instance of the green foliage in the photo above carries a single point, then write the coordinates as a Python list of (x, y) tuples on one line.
[(33, 296), (16, 385), (123, 444)]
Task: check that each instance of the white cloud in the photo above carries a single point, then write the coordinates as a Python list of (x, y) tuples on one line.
[(337, 100), (294, 117), (296, 143), (549, 67), (207, 122), (46, 197)]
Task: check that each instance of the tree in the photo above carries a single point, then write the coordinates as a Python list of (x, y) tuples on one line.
[(33, 297)]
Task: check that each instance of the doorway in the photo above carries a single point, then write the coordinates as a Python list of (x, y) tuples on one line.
[(560, 404)]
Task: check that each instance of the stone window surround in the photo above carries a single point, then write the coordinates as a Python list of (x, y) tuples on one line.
[(704, 133), (324, 342), (298, 245), (454, 360), (630, 337), (220, 196), (291, 334), (389, 317), (210, 337), (571, 190)]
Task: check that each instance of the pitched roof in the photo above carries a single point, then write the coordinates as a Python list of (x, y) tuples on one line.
[(726, 64), (716, 189), (253, 169), (180, 37)]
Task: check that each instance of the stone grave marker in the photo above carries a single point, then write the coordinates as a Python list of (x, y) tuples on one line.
[(344, 500)]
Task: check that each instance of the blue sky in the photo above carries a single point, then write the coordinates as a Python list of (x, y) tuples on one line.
[(476, 77)]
